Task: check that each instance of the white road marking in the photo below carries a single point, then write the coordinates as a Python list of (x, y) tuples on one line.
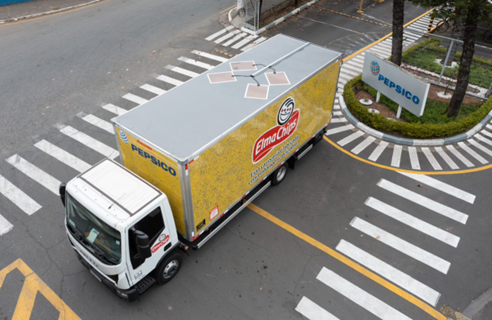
[(378, 151), (227, 36), (458, 155), (380, 51), (413, 222), (33, 172), (89, 141), (401, 245), (364, 144), (18, 197), (479, 146), (153, 89), (5, 225), (339, 129), (256, 42), (185, 72), (244, 41), (394, 275), (218, 33), (441, 186), (472, 153), (337, 120), (483, 139), (62, 156), (209, 56), (359, 296), (170, 80), (337, 113), (134, 98), (485, 132), (446, 158), (396, 158), (428, 154), (114, 109), (196, 63), (95, 121), (312, 311), (414, 159), (236, 38), (424, 201), (350, 138)]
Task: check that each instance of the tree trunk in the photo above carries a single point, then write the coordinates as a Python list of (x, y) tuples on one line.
[(397, 44), (470, 31), (259, 13)]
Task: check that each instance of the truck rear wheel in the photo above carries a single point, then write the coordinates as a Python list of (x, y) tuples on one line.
[(279, 175), (169, 268)]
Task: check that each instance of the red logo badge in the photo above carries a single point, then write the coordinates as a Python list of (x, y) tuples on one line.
[(159, 245), (287, 121)]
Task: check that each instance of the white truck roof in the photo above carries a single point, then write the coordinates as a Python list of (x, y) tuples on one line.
[(191, 117), (120, 192)]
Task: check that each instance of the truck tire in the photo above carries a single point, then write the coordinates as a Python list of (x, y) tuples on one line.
[(279, 175), (169, 268)]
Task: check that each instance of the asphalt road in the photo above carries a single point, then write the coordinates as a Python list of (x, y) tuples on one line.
[(254, 268)]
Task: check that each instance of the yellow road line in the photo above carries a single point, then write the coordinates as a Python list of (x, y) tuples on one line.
[(420, 304), (32, 285), (385, 37), (228, 9), (403, 170)]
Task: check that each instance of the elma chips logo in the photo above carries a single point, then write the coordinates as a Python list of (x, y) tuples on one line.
[(375, 68), (287, 121)]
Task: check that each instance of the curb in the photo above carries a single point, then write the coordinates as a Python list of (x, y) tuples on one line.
[(47, 12), (279, 20), (411, 142)]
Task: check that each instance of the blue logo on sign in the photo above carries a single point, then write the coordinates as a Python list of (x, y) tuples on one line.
[(123, 137), (375, 68)]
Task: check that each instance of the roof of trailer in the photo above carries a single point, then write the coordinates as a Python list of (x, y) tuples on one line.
[(189, 117)]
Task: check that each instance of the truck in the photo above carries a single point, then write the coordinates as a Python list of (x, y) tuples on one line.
[(194, 157)]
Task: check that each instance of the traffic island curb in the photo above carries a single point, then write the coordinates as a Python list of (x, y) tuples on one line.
[(411, 142), (36, 15)]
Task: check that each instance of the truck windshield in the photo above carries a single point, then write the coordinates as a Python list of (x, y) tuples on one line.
[(102, 240)]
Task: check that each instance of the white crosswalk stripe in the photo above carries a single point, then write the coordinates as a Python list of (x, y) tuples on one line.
[(234, 39), (486, 133), (338, 120), (367, 301), (401, 279), (441, 186), (209, 56), (62, 156), (396, 158), (193, 62), (134, 98), (337, 113), (95, 121), (364, 144), (185, 72), (401, 245), (458, 155), (446, 158), (255, 43), (230, 34), (339, 129), (479, 146), (350, 138), (413, 222), (432, 160), (5, 225), (424, 201), (472, 153), (378, 151), (88, 141), (312, 311), (170, 80), (33, 172), (153, 89), (218, 33), (483, 139), (244, 41), (17, 197), (414, 159), (114, 109)]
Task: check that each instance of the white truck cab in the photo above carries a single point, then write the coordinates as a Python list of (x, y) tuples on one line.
[(122, 228)]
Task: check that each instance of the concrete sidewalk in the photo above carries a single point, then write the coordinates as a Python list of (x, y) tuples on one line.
[(37, 8)]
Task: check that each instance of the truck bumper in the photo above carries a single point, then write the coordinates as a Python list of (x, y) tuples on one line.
[(128, 295)]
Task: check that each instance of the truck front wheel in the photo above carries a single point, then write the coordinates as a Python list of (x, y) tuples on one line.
[(279, 175), (168, 268)]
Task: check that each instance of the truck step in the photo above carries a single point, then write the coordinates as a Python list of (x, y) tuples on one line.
[(144, 284)]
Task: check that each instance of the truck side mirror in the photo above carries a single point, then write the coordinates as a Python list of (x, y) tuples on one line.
[(142, 241), (62, 192)]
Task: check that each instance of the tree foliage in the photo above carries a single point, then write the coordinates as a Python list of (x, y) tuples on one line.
[(466, 15)]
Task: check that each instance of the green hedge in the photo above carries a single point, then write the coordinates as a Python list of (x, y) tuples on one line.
[(412, 130)]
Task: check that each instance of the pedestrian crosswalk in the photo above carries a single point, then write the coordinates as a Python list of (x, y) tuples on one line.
[(400, 261)]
